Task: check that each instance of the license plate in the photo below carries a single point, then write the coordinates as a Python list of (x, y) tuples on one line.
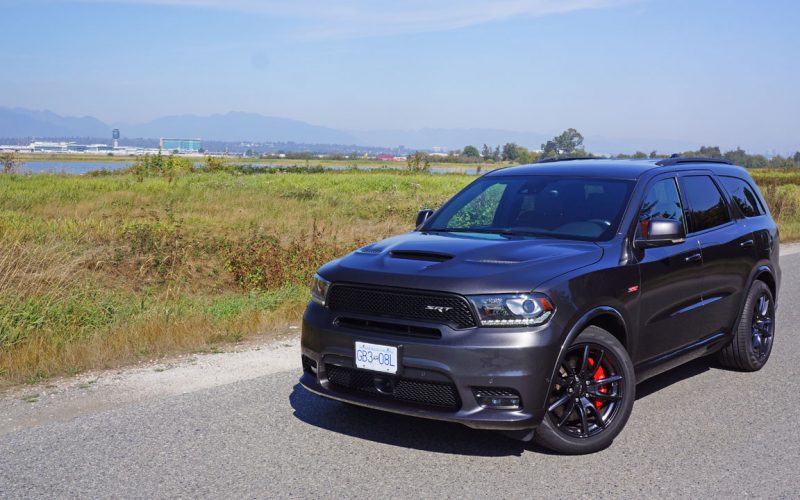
[(379, 358)]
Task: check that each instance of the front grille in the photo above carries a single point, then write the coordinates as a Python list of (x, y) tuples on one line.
[(424, 306), (370, 325), (436, 394)]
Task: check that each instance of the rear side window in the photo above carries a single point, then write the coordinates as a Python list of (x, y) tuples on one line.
[(662, 201), (705, 205), (743, 195)]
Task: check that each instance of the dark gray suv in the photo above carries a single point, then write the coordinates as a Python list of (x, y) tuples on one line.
[(536, 299)]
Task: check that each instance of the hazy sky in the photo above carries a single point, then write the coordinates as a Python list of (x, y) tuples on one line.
[(707, 71)]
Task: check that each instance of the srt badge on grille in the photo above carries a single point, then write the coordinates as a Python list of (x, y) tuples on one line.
[(439, 309)]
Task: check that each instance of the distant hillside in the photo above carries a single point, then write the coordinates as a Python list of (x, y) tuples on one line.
[(19, 122), (237, 126)]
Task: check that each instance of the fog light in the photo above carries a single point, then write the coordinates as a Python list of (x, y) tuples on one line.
[(499, 399)]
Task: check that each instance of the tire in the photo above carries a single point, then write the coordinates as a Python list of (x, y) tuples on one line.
[(752, 341), (574, 427)]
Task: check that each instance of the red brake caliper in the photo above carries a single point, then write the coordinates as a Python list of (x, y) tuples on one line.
[(598, 375)]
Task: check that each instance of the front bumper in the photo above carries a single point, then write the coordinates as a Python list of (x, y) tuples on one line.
[(520, 360)]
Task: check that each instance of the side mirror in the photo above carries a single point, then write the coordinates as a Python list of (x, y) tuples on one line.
[(660, 233), (423, 215)]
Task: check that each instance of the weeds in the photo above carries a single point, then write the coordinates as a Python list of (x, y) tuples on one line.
[(98, 271), (263, 262)]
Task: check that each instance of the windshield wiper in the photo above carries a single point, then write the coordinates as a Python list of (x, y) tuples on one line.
[(503, 232)]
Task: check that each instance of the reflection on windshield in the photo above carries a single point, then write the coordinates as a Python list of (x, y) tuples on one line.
[(575, 208)]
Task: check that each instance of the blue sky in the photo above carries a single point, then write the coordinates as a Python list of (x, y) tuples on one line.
[(705, 71)]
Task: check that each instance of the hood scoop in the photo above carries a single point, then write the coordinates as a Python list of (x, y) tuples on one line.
[(420, 255)]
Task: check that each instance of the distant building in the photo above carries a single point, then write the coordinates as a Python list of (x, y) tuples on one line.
[(51, 147), (115, 138), (181, 145)]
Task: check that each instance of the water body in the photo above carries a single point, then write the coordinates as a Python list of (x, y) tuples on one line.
[(81, 167), (71, 167)]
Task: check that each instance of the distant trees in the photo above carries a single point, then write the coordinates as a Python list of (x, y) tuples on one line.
[(471, 152), (570, 143), (567, 143), (742, 158), (710, 152), (737, 156), (510, 152)]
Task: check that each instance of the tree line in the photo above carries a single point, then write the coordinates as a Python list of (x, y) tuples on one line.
[(569, 144)]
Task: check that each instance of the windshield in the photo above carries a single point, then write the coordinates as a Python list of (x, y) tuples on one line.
[(581, 208)]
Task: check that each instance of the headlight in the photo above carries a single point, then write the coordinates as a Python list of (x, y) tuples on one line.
[(319, 289), (513, 310)]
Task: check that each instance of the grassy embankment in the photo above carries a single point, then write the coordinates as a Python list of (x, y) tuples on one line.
[(283, 162), (102, 271), (98, 271)]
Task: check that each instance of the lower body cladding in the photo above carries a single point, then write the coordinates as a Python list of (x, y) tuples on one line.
[(484, 378)]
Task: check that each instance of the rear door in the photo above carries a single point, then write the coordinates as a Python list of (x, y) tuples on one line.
[(727, 248), (671, 277)]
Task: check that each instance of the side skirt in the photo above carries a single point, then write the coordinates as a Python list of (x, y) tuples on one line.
[(660, 364)]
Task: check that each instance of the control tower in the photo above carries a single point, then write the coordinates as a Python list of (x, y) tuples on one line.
[(115, 136)]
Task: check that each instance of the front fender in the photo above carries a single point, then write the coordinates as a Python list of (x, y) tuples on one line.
[(578, 326)]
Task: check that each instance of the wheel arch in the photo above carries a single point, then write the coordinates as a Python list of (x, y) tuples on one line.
[(605, 317), (764, 273)]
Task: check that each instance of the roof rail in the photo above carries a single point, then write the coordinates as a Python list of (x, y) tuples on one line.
[(680, 160), (572, 158)]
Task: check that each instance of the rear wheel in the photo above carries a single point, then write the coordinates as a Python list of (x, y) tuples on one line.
[(591, 397), (752, 341)]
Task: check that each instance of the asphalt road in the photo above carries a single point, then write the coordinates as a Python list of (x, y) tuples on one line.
[(698, 431)]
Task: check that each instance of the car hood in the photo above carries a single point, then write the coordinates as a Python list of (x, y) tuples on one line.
[(463, 263)]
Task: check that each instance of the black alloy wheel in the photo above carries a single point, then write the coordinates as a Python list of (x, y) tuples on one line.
[(762, 327), (586, 394), (754, 335), (591, 396)]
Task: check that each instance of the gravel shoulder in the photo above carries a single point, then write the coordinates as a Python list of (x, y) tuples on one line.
[(92, 392)]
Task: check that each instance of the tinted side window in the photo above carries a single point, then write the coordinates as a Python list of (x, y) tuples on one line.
[(706, 207), (661, 202), (743, 196)]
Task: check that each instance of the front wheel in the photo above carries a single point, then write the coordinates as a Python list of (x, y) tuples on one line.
[(591, 397)]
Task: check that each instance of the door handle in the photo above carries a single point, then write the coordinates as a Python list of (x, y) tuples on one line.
[(746, 244), (695, 257)]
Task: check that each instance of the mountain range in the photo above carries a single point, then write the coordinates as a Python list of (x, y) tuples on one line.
[(20, 123)]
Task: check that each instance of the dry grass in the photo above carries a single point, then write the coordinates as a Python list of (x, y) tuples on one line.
[(102, 271)]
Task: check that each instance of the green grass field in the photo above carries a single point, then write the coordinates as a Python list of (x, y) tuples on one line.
[(102, 271), (293, 162)]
